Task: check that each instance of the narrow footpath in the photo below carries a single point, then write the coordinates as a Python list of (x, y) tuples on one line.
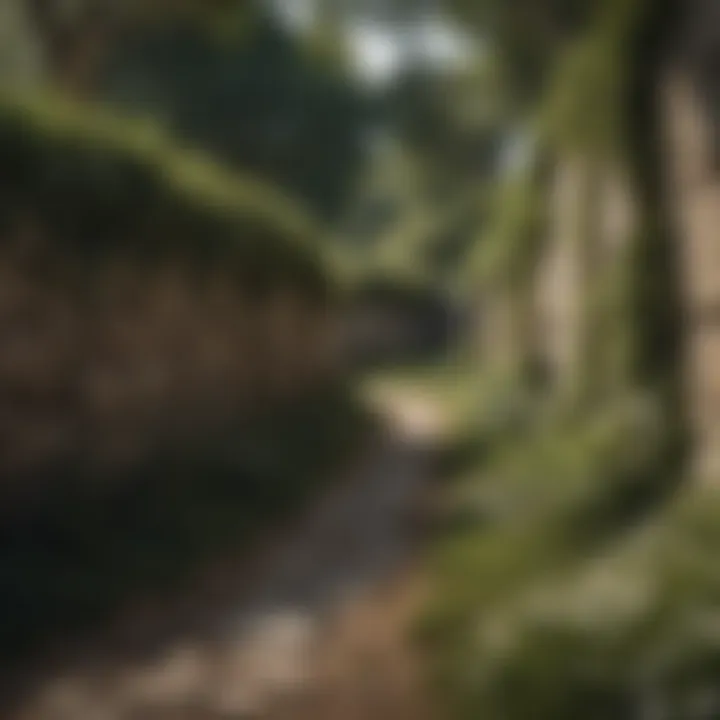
[(314, 628)]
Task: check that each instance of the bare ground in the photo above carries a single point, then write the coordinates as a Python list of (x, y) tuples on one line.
[(313, 627)]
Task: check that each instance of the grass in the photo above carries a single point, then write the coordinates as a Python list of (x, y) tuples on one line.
[(544, 502), (599, 638)]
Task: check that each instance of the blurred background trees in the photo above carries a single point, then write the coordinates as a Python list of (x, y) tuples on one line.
[(226, 77), (503, 160)]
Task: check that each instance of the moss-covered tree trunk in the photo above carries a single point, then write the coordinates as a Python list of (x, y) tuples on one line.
[(694, 205), (570, 269), (505, 330), (583, 251)]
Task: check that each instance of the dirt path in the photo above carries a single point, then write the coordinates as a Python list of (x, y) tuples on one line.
[(317, 631)]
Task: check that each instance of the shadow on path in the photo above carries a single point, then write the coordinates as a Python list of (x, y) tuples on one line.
[(313, 627)]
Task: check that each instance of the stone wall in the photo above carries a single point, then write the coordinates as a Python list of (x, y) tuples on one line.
[(108, 370)]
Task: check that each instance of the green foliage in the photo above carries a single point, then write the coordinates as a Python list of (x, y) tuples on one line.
[(584, 107), (513, 238), (99, 183), (98, 187), (573, 581), (582, 113), (446, 131), (526, 36), (450, 122), (634, 626), (544, 499), (611, 332), (429, 243), (20, 56), (255, 98)]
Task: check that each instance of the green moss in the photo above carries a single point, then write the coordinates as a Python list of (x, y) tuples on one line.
[(513, 240), (536, 508), (584, 105), (99, 188), (101, 183), (594, 641), (576, 583)]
